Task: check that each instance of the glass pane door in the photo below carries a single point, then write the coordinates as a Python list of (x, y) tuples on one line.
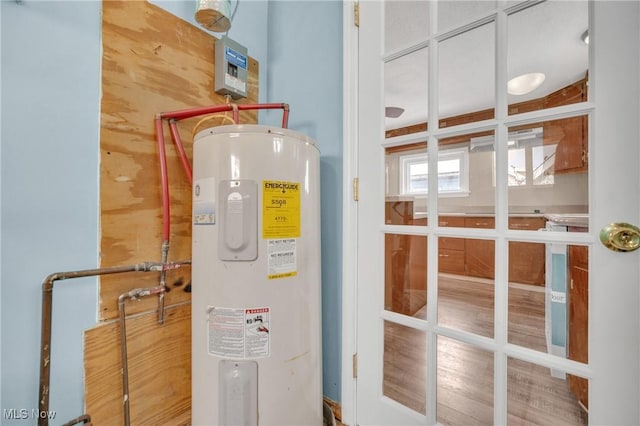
[(475, 232)]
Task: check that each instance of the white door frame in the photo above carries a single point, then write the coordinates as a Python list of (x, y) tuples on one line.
[(619, 324), (349, 208)]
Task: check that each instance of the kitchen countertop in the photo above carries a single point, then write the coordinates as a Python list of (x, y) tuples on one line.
[(492, 214), (563, 219), (569, 219), (420, 215)]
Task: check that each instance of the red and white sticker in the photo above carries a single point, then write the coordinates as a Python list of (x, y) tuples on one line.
[(239, 332)]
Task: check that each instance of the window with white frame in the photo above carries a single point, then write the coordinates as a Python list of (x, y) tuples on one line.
[(453, 173), (530, 165)]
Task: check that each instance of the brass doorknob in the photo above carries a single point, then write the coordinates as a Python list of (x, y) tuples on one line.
[(620, 237)]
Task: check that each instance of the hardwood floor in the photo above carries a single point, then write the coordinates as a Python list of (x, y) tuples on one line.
[(465, 373)]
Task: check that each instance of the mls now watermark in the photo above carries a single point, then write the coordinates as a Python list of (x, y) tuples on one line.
[(26, 414)]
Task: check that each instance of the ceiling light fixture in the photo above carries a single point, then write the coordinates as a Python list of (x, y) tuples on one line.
[(393, 112), (525, 83)]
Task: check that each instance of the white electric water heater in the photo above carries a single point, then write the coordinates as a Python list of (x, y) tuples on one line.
[(256, 315)]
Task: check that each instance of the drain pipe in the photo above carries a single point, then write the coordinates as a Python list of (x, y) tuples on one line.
[(47, 302), (134, 294)]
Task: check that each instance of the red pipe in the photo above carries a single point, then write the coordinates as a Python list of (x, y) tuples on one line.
[(183, 156), (173, 117), (283, 106), (192, 112), (166, 216)]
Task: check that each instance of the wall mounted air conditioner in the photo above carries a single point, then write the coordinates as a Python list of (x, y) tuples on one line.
[(519, 139)]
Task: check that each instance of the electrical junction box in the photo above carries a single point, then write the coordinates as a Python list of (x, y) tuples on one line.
[(231, 68)]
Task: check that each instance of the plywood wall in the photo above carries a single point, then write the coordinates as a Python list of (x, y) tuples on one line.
[(159, 365), (152, 62)]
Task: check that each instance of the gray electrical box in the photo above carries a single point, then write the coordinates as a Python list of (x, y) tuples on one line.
[(231, 68)]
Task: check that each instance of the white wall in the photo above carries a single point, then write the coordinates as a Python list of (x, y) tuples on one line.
[(568, 193)]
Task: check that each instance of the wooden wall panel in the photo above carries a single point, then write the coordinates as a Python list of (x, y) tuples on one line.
[(152, 62), (159, 364)]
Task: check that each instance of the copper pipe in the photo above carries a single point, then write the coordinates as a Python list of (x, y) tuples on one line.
[(192, 112), (85, 419), (284, 107), (163, 280), (47, 302), (134, 294)]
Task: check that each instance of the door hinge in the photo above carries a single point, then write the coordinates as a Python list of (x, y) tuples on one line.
[(355, 365), (356, 189), (356, 14)]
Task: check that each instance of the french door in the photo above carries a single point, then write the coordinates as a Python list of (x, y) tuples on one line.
[(494, 301)]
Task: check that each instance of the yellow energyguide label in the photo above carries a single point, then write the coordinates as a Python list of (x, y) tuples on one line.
[(280, 209)]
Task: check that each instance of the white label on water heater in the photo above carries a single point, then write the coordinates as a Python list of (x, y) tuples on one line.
[(282, 258), (239, 332), (204, 201)]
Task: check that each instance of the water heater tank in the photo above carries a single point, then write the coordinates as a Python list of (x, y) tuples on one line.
[(256, 278)]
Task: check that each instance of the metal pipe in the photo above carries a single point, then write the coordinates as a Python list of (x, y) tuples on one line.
[(85, 419), (47, 302), (134, 294), (283, 106), (192, 112), (236, 114), (163, 280)]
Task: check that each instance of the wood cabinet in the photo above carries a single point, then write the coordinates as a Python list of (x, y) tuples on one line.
[(405, 273), (398, 212), (527, 260), (406, 256), (405, 261), (569, 134), (451, 250), (570, 137), (479, 254), (579, 318)]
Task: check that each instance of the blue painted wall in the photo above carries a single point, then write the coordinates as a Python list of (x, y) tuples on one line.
[(305, 70), (49, 188), (50, 115)]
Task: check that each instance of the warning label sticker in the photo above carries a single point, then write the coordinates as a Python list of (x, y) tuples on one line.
[(280, 209), (239, 332), (257, 341), (282, 258), (204, 201)]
